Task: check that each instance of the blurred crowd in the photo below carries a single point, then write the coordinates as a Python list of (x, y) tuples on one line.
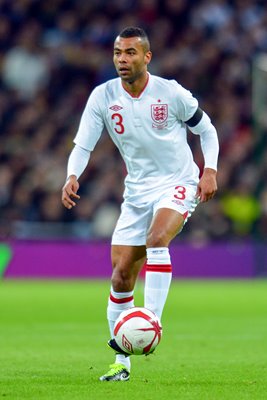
[(54, 52)]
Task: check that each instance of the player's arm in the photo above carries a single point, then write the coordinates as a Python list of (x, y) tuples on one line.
[(77, 163), (200, 124), (90, 129)]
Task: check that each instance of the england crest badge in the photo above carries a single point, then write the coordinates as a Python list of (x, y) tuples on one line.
[(159, 114)]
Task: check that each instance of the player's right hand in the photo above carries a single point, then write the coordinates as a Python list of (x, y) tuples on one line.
[(69, 192)]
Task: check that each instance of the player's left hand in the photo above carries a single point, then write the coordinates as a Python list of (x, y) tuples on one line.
[(207, 186)]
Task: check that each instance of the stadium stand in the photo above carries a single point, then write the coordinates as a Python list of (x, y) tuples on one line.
[(54, 52)]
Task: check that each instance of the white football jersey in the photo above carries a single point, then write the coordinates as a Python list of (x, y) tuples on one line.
[(149, 132)]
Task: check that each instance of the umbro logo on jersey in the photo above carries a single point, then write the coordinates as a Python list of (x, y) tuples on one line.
[(116, 108)]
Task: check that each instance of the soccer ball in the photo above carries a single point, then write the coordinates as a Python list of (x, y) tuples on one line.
[(137, 331)]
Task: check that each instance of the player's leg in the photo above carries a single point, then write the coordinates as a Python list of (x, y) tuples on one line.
[(166, 224), (171, 212), (128, 253), (127, 262)]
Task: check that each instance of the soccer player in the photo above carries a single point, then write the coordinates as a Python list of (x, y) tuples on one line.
[(147, 118)]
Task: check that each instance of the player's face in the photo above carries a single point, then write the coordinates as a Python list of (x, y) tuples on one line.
[(130, 58)]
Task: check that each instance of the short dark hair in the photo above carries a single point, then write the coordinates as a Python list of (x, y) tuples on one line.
[(135, 31)]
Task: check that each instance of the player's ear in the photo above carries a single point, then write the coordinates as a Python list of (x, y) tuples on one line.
[(148, 57)]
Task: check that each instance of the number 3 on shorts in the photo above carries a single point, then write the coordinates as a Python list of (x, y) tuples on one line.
[(180, 192)]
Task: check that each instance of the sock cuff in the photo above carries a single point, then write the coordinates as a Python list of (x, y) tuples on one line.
[(159, 268), (158, 256), (121, 297)]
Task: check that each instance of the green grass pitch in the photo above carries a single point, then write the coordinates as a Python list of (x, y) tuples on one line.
[(53, 343)]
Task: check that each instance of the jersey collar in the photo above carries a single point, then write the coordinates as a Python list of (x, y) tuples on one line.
[(140, 94)]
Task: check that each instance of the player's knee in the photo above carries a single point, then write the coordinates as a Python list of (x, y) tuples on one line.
[(157, 239), (122, 280)]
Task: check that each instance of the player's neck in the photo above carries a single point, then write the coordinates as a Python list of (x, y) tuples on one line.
[(137, 87)]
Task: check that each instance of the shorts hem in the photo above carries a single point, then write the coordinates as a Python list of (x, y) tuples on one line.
[(118, 242), (181, 210)]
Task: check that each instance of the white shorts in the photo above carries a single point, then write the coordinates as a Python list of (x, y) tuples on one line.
[(134, 221)]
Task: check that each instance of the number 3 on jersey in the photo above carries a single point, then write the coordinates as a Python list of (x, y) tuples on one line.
[(119, 127)]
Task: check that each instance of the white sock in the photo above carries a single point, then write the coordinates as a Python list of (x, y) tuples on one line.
[(117, 303), (158, 278)]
